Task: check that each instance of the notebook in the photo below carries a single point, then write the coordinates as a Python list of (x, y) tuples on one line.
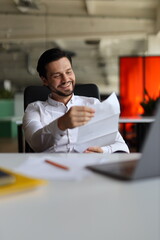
[(147, 166), (20, 183)]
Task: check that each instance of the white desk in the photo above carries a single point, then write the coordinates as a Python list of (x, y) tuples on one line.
[(141, 125), (136, 119), (96, 208)]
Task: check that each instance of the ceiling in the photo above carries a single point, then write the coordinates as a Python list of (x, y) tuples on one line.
[(98, 32)]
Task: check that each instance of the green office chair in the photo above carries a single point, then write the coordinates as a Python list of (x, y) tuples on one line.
[(35, 93)]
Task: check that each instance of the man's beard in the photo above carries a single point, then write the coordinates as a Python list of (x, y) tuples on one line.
[(64, 94)]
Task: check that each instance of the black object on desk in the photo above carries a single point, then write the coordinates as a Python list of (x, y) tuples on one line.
[(6, 178)]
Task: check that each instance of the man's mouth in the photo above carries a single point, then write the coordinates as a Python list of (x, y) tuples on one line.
[(65, 89), (66, 85)]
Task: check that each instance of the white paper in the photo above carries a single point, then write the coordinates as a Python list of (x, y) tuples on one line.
[(35, 166), (102, 129)]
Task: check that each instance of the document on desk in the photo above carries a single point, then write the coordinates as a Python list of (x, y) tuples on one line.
[(102, 129), (37, 167)]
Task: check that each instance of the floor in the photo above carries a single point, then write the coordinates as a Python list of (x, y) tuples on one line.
[(8, 145)]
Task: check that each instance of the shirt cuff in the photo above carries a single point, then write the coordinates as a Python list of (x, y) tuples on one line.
[(107, 149), (54, 129)]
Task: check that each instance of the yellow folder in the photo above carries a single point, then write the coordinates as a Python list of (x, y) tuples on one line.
[(21, 183)]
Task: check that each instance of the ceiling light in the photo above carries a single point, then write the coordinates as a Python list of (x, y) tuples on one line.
[(26, 5)]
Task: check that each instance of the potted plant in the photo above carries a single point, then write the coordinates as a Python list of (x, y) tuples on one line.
[(149, 104)]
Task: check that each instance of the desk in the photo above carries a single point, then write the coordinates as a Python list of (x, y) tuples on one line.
[(141, 124), (94, 208), (136, 120)]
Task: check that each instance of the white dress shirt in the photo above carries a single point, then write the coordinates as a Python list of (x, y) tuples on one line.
[(42, 132)]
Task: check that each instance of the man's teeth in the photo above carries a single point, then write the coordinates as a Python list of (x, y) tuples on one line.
[(66, 85)]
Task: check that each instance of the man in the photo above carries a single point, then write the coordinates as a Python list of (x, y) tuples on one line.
[(51, 126)]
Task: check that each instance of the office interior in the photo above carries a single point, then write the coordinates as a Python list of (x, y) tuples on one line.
[(114, 44)]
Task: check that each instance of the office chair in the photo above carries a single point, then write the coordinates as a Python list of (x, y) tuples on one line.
[(35, 93)]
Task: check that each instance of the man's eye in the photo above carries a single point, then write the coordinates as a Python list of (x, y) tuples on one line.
[(56, 76), (69, 72)]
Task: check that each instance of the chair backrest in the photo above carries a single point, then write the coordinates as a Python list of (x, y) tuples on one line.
[(35, 93), (40, 93), (88, 90)]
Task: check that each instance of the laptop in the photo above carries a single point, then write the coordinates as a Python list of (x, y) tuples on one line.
[(146, 167)]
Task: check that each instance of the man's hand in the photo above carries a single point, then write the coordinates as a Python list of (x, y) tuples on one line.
[(94, 150), (75, 117)]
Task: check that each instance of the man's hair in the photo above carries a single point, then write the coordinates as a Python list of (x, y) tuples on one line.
[(48, 56)]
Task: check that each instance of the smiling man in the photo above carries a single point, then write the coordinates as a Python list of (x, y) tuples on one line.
[(51, 126)]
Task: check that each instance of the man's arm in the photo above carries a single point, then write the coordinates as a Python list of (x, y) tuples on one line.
[(75, 117), (44, 136)]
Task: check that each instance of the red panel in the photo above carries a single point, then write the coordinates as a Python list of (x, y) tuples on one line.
[(137, 73), (152, 83), (131, 85)]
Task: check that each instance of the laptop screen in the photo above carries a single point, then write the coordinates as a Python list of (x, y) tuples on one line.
[(147, 166)]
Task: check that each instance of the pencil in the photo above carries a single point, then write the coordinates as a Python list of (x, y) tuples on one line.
[(57, 164)]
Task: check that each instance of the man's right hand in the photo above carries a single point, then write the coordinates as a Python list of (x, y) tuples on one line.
[(75, 117)]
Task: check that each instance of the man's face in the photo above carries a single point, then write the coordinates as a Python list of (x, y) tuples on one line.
[(60, 77)]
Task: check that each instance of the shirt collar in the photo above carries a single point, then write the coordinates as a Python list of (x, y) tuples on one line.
[(58, 104)]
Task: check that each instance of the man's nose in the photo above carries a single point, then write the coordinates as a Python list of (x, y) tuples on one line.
[(64, 77)]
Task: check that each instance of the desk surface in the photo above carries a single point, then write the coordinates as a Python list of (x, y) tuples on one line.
[(136, 119), (95, 208)]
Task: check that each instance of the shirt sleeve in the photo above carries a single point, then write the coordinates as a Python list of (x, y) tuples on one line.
[(119, 145), (38, 136)]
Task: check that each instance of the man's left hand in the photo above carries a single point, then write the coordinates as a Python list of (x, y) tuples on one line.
[(94, 150)]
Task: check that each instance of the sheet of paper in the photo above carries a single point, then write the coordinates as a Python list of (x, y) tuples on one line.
[(35, 166), (103, 127)]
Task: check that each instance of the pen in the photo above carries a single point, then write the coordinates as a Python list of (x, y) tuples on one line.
[(57, 164)]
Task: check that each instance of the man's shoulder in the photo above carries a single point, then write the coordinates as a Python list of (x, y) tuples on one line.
[(37, 104)]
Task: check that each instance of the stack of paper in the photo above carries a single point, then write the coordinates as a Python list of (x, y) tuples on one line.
[(102, 129), (35, 166)]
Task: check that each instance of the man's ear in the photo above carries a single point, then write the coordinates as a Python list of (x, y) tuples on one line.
[(44, 80)]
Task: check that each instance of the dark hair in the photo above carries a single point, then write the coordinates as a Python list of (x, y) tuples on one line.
[(48, 56)]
